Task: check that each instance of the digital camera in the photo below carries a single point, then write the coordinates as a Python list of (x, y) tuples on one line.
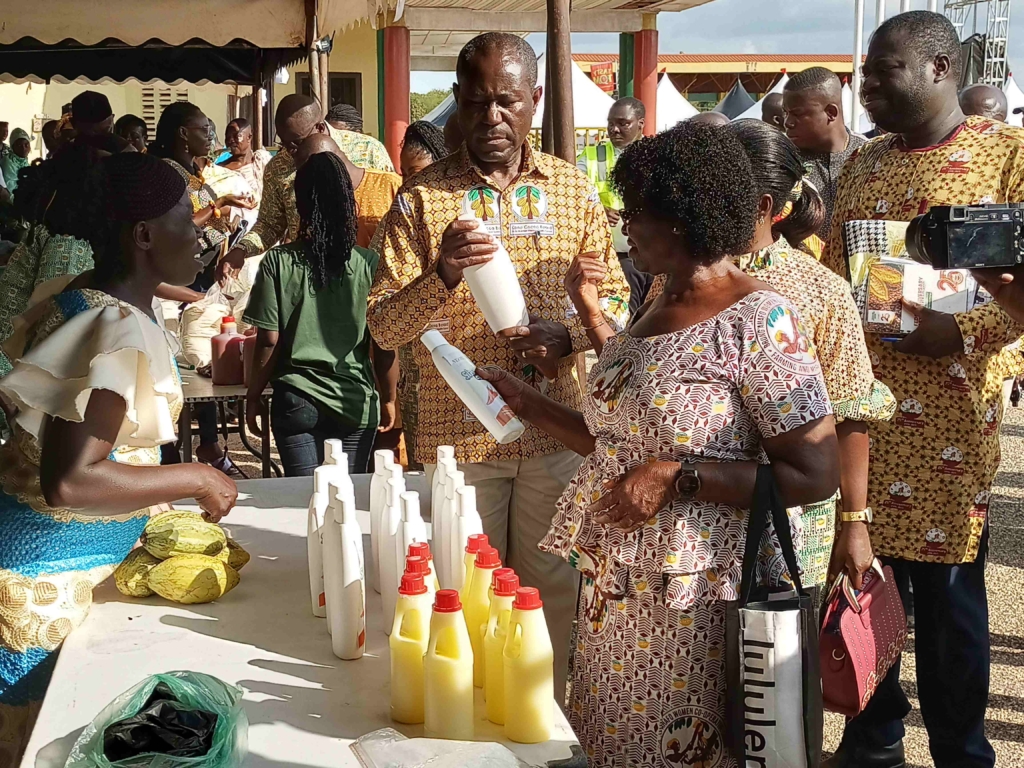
[(987, 236)]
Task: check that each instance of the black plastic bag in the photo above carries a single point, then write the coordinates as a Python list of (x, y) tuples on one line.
[(163, 726)]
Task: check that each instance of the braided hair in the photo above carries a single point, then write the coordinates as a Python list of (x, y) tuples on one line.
[(325, 200), (427, 138), (172, 118)]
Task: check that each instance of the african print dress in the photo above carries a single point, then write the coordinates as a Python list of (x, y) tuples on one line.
[(50, 559), (649, 683)]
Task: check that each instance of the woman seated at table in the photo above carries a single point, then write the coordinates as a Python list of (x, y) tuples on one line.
[(713, 377), (309, 306), (95, 392)]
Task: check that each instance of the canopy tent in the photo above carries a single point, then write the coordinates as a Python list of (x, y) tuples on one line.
[(673, 107), (736, 102), (439, 115), (865, 121), (1014, 96), (590, 105), (754, 113)]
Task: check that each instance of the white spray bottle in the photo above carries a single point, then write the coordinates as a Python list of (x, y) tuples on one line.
[(344, 576), (383, 463), (390, 576)]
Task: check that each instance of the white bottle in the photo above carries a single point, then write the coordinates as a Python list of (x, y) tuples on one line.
[(450, 510), (479, 396), (442, 520), (390, 576), (495, 286), (344, 576), (315, 541), (411, 529), (439, 537), (467, 524), (383, 463)]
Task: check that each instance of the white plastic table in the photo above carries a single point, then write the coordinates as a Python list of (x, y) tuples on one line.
[(304, 705)]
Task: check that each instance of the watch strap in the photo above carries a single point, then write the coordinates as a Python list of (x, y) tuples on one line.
[(859, 516)]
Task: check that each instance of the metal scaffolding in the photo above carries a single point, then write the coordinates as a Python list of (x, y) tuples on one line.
[(995, 16)]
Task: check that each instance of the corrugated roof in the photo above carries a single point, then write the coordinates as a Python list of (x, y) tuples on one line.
[(724, 58)]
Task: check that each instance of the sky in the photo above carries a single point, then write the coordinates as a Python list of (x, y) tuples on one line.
[(752, 26)]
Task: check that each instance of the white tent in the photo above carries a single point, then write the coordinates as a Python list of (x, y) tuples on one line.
[(590, 105), (673, 107), (1014, 98), (865, 121), (754, 113)]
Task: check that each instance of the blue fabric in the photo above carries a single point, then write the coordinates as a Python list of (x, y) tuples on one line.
[(71, 303), (25, 676)]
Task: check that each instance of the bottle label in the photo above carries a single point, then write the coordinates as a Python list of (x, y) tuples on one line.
[(486, 394)]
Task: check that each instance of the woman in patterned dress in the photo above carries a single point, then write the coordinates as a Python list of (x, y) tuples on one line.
[(713, 377), (95, 392)]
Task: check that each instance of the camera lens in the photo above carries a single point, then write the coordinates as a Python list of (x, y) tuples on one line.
[(917, 243)]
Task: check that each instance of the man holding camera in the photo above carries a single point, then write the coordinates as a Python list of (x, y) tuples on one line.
[(933, 465)]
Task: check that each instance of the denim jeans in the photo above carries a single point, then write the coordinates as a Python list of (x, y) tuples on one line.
[(951, 647), (301, 425)]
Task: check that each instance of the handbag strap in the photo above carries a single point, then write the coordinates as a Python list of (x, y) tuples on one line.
[(767, 505)]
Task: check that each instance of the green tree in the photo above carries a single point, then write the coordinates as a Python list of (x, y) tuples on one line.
[(421, 103)]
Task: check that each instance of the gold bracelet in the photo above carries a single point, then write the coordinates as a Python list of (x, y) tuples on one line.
[(595, 327), (858, 516)]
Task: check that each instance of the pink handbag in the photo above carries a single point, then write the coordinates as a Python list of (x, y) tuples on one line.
[(862, 636)]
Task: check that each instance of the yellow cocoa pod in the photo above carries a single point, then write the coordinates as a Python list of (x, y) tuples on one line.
[(132, 575), (166, 537), (190, 579)]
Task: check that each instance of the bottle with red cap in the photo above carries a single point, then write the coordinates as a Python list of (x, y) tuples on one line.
[(529, 671), (503, 586), (448, 672), (422, 549), (474, 544), (226, 364), (419, 565), (477, 605), (410, 635)]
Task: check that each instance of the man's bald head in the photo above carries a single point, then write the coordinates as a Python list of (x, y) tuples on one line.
[(823, 82), (772, 112), (314, 145), (297, 118), (711, 118), (984, 100), (813, 106)]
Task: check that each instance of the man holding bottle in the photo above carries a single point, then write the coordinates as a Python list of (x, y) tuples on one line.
[(547, 214)]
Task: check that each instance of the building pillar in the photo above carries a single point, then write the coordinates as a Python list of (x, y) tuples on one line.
[(558, 103), (624, 79), (396, 89), (380, 84), (645, 77)]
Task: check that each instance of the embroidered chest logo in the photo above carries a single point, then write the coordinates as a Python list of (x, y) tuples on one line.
[(692, 738), (530, 207), (482, 202), (789, 345), (958, 162), (610, 384)]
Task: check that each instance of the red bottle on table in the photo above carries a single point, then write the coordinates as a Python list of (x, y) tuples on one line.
[(226, 361)]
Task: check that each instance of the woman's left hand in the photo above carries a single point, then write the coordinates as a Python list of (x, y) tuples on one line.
[(637, 496), (252, 415), (388, 416)]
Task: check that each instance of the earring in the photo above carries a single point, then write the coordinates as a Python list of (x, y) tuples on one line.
[(760, 221), (675, 230)]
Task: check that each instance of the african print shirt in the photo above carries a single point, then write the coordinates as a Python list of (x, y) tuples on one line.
[(374, 196), (710, 392), (932, 466), (202, 196), (364, 151), (823, 171), (545, 218)]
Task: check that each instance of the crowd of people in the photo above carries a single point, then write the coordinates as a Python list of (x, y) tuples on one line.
[(705, 268)]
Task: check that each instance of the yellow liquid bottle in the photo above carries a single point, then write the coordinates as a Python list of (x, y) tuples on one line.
[(448, 672), (408, 642), (529, 671), (422, 549), (503, 592), (477, 606), (475, 543)]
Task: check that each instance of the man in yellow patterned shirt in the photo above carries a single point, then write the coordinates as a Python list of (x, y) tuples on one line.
[(932, 466), (546, 213)]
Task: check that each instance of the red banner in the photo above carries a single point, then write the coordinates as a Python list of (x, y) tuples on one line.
[(604, 75)]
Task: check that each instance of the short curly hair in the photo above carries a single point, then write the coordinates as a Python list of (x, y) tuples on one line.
[(699, 177)]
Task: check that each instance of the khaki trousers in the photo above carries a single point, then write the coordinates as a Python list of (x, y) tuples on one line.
[(516, 501)]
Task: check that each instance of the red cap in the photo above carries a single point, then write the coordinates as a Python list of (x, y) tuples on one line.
[(447, 601), (487, 557), (506, 584), (420, 549), (412, 584), (497, 574), (527, 599), (418, 565), (227, 319), (477, 542)]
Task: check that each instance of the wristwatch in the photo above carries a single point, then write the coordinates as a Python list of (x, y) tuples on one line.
[(687, 482), (863, 516)]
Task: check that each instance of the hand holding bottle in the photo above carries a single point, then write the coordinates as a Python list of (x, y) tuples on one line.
[(463, 245)]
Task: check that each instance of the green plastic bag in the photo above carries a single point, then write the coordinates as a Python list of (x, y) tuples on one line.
[(230, 738)]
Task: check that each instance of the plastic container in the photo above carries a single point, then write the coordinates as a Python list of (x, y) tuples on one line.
[(411, 529), (315, 541), (495, 287), (477, 606), (344, 576), (467, 524), (504, 588), (336, 459), (443, 526), (477, 395), (448, 672), (383, 466), (419, 566), (450, 510), (529, 671), (390, 528), (422, 549), (248, 358), (410, 634), (440, 537), (226, 355), (475, 543)]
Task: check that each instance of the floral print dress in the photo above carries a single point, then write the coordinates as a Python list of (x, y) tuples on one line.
[(649, 683)]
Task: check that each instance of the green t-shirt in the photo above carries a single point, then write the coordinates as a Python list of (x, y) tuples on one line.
[(325, 344)]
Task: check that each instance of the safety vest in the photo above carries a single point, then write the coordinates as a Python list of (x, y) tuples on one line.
[(600, 159)]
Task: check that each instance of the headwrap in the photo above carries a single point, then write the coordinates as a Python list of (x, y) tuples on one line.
[(140, 187), (787, 209), (20, 133), (90, 107)]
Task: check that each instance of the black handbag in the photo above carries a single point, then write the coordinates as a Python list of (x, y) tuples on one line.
[(773, 705)]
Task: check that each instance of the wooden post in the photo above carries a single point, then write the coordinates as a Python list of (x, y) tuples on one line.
[(311, 54), (380, 83), (397, 52), (645, 62), (547, 125), (559, 99), (624, 80), (325, 81), (257, 105)]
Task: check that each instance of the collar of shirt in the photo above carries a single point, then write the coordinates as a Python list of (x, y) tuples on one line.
[(532, 164)]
